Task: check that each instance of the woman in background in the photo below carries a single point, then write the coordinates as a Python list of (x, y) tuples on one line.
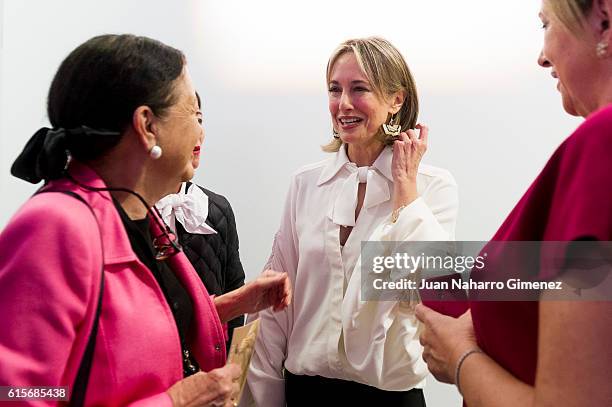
[(548, 353), (205, 227)]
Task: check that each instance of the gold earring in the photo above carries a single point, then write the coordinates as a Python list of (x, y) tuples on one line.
[(602, 49), (392, 129)]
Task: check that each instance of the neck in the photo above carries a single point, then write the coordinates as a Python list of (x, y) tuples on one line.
[(365, 154), (606, 97), (132, 173)]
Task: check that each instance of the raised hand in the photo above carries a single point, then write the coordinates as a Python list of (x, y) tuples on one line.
[(408, 150)]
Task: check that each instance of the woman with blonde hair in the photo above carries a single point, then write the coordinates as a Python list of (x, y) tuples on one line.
[(330, 347), (549, 352)]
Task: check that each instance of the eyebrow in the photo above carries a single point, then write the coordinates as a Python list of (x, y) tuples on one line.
[(357, 82)]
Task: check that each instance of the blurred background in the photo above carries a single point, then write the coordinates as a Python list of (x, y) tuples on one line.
[(494, 115)]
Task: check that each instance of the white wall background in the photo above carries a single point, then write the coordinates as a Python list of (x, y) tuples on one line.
[(494, 115)]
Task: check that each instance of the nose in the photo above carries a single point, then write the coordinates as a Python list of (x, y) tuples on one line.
[(542, 61), (345, 101)]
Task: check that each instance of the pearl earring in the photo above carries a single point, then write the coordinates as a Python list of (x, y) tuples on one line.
[(155, 152), (601, 49)]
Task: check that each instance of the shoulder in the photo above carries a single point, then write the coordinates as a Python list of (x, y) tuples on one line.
[(219, 209), (55, 232), (600, 119), (431, 174), (313, 170), (214, 198), (594, 133), (585, 154), (55, 211)]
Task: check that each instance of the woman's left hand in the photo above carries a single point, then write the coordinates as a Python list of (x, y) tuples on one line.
[(444, 340), (408, 150), (270, 289)]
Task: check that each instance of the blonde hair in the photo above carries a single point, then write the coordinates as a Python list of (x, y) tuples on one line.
[(571, 13), (387, 72)]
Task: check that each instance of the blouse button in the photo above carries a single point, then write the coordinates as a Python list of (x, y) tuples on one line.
[(217, 347), (175, 305)]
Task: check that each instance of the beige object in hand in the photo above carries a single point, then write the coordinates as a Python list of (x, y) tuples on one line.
[(241, 349)]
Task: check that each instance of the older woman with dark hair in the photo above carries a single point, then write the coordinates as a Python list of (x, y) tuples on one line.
[(93, 287), (549, 352)]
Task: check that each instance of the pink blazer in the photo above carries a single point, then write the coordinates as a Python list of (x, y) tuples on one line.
[(49, 283)]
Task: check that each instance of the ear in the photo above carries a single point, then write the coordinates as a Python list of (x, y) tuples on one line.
[(144, 122), (397, 101), (600, 17)]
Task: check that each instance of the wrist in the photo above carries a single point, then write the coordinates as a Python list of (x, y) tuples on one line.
[(461, 362), (404, 192), (404, 179), (228, 305)]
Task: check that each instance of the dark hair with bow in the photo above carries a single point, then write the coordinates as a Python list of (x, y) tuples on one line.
[(92, 99)]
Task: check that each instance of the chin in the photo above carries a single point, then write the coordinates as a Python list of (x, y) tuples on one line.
[(351, 138), (568, 106), (568, 102), (195, 163), (188, 174)]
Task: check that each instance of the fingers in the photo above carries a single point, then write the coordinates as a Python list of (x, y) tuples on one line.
[(227, 383), (400, 148), (278, 286), (413, 136), (423, 336), (215, 388), (424, 132), (283, 294), (233, 371), (422, 313), (467, 315), (287, 292)]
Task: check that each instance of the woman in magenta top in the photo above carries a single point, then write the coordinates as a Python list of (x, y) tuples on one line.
[(126, 131), (547, 353)]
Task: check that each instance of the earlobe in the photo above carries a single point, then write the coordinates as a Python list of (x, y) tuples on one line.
[(143, 122), (398, 101)]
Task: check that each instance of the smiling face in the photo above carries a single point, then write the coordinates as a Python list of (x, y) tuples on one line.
[(357, 111), (573, 61), (180, 132)]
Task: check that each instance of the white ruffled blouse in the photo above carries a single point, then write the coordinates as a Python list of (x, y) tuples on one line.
[(327, 330)]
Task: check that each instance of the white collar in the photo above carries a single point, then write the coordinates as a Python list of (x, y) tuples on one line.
[(189, 207), (344, 203), (381, 164)]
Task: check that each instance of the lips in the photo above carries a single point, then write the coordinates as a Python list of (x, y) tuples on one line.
[(196, 150), (348, 122)]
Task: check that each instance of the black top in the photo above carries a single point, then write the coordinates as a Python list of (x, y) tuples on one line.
[(215, 257), (176, 295)]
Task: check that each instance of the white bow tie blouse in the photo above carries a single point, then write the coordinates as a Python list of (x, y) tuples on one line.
[(189, 207), (327, 330)]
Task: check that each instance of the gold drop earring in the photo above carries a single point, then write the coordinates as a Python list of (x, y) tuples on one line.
[(392, 129)]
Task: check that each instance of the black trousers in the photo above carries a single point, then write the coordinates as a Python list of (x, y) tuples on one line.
[(317, 391)]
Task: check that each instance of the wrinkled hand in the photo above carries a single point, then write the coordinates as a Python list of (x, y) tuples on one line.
[(408, 150), (444, 340), (217, 388), (271, 289)]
